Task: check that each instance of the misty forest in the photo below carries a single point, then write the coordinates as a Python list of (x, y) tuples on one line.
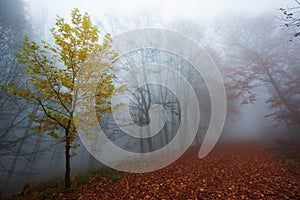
[(92, 106)]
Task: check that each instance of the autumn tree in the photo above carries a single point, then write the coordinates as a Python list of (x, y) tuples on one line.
[(52, 71), (260, 58)]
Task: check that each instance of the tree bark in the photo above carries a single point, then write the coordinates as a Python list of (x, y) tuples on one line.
[(67, 157)]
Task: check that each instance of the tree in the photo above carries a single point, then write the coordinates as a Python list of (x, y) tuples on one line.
[(260, 58), (52, 71), (291, 17), (13, 25)]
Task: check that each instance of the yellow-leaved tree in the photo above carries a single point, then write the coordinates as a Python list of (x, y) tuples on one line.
[(52, 69)]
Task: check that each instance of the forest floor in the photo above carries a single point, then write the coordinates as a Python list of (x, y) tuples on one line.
[(229, 172)]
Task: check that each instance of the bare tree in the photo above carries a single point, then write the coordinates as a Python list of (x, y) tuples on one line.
[(259, 57)]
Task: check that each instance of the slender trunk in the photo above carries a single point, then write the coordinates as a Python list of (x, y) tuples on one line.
[(146, 106), (173, 121), (166, 133), (20, 147), (142, 146), (291, 133), (150, 143), (141, 139), (67, 156), (32, 159), (149, 139)]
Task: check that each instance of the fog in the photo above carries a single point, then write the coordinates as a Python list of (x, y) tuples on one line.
[(256, 54), (167, 10)]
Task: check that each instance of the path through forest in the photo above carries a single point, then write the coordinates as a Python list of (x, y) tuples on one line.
[(229, 172)]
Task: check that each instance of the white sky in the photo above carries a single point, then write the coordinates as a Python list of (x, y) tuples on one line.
[(167, 9)]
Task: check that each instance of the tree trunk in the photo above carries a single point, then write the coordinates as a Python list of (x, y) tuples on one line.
[(20, 147), (292, 140), (67, 156), (288, 106)]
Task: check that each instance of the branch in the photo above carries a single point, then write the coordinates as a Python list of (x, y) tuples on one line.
[(48, 115)]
